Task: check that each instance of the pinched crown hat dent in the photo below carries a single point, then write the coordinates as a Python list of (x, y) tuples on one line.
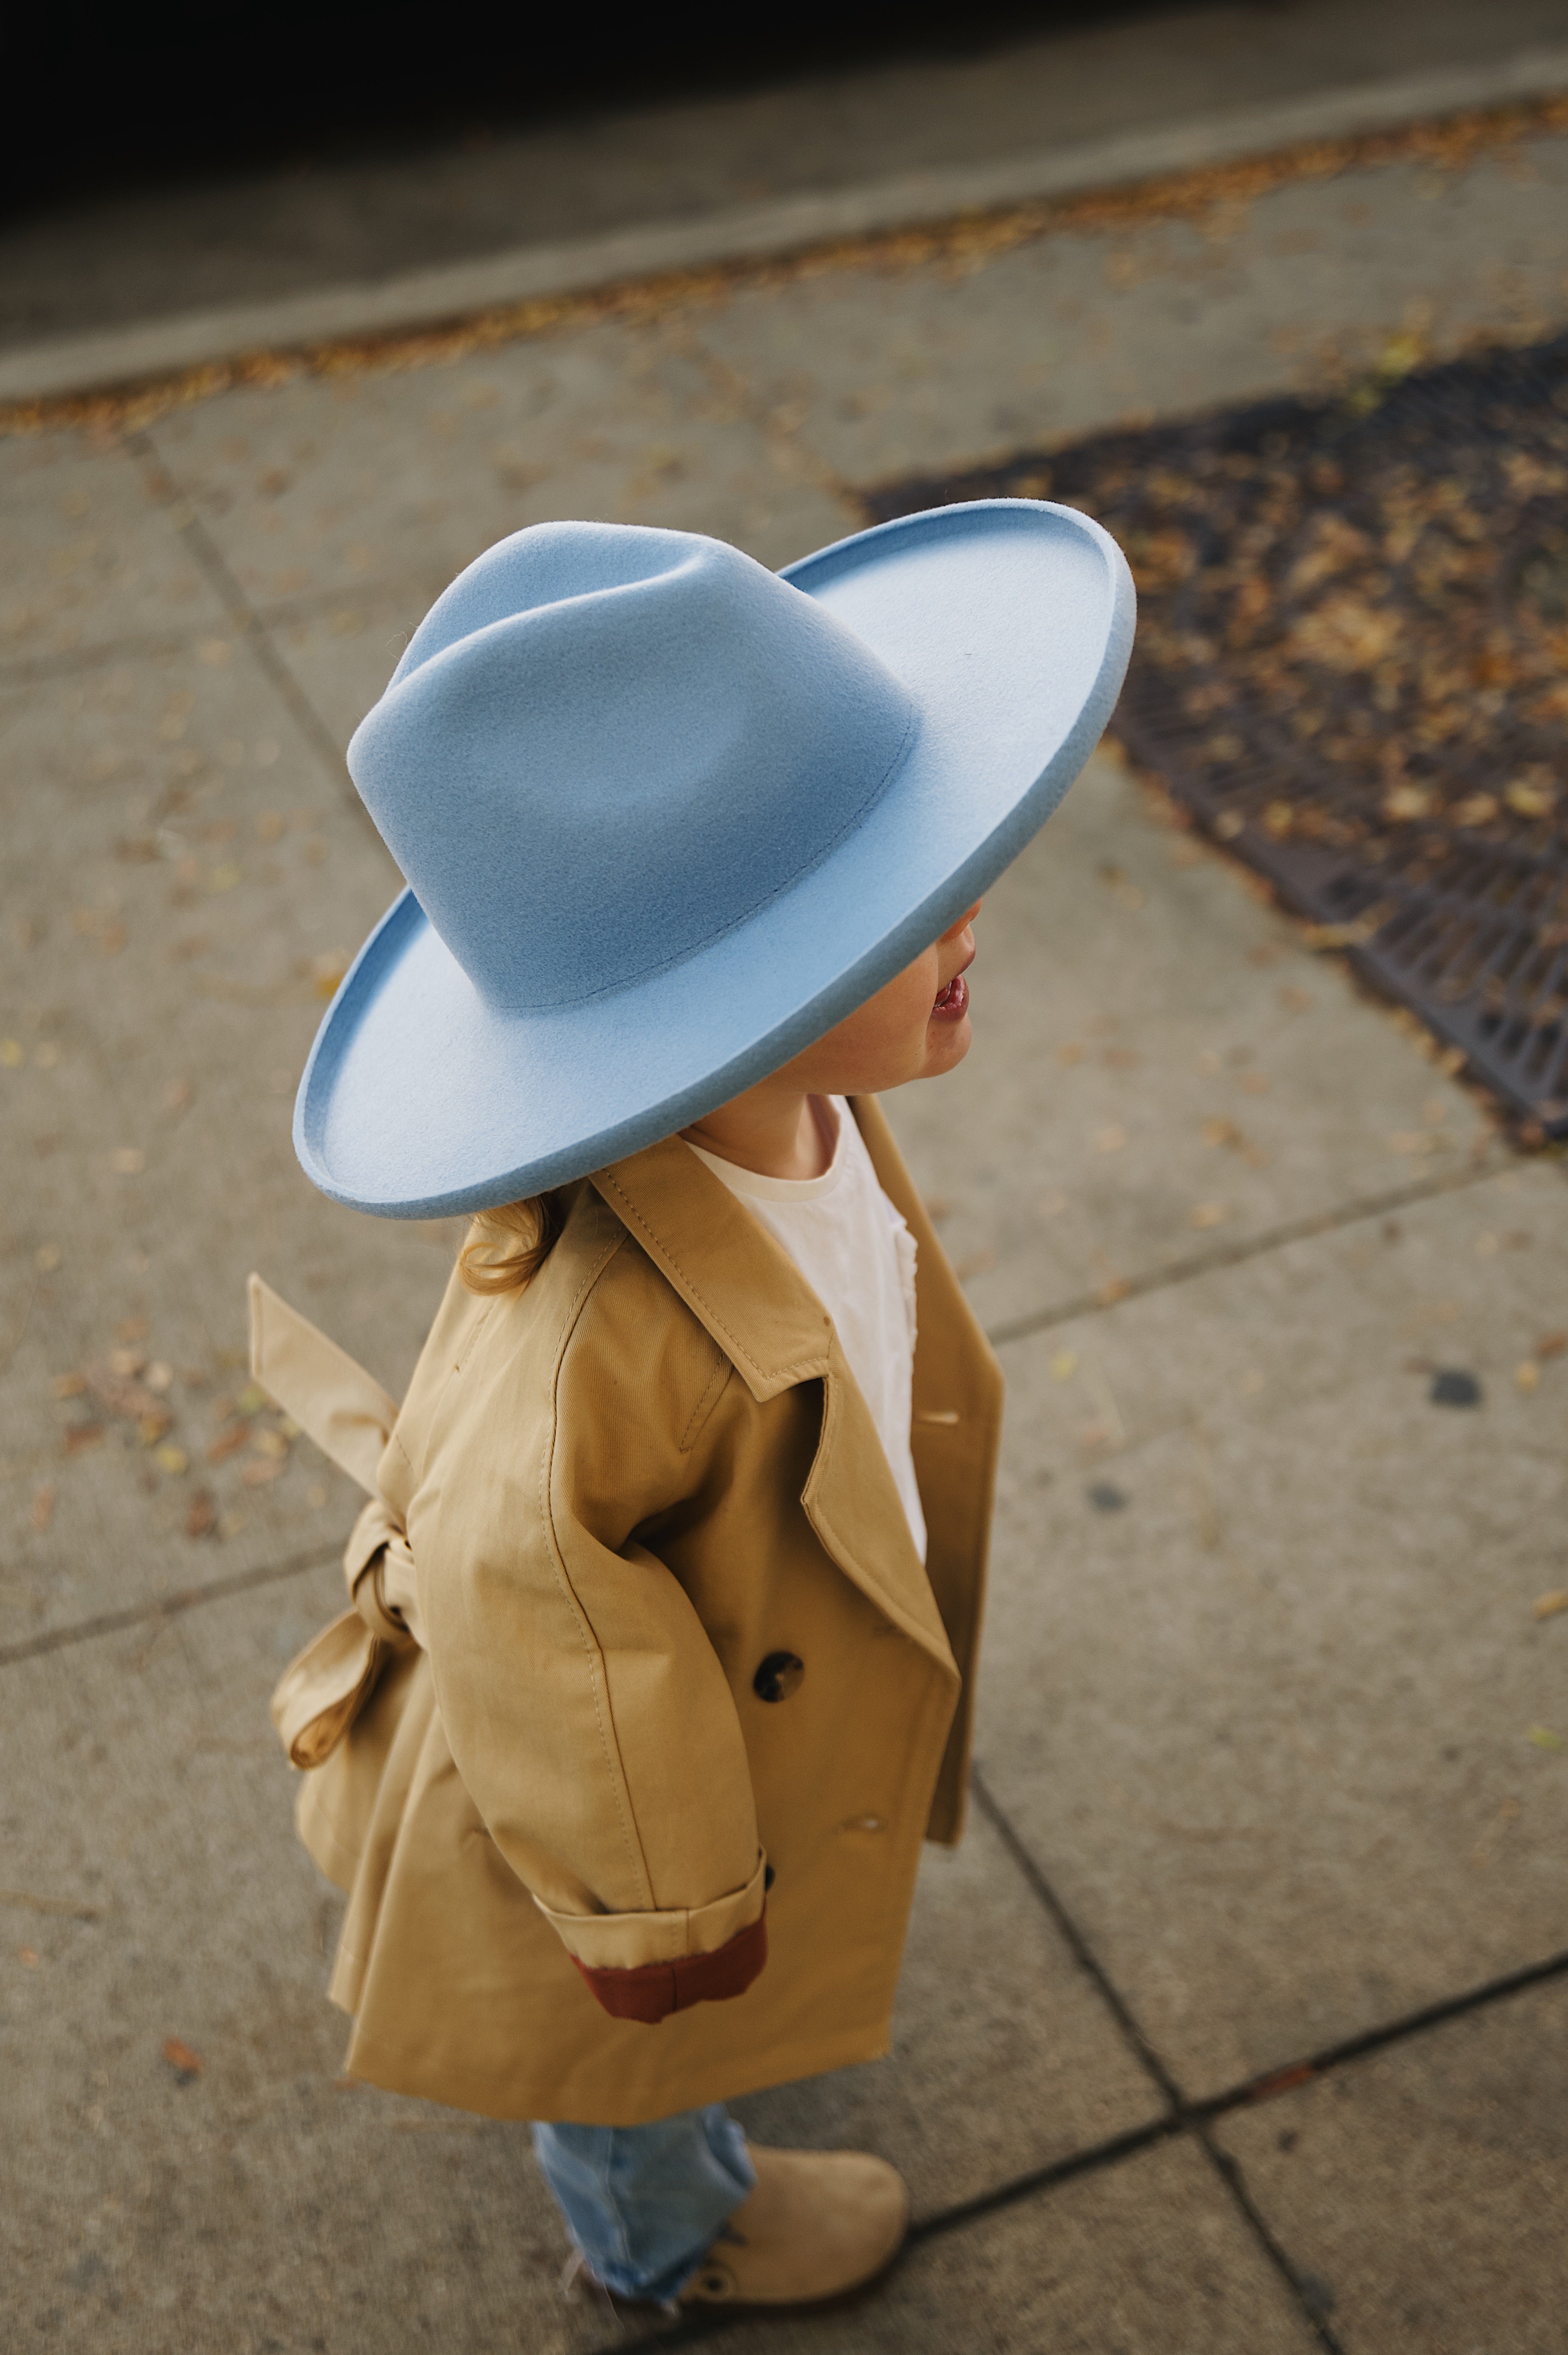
[(655, 737)]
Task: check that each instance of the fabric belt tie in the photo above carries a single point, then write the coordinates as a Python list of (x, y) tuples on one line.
[(350, 1418)]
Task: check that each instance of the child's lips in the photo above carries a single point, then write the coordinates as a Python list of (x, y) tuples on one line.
[(952, 1003)]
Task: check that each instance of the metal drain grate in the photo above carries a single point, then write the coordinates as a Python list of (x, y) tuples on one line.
[(1353, 667)]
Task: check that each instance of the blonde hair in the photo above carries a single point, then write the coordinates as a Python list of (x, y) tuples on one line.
[(508, 1246)]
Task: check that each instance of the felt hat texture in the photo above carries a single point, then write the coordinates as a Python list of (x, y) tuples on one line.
[(666, 816)]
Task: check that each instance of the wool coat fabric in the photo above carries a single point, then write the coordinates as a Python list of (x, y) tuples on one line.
[(606, 1503)]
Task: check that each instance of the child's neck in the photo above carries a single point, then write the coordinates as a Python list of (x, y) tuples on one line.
[(776, 1132)]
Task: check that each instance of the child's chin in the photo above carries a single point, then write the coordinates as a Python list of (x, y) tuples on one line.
[(947, 1043)]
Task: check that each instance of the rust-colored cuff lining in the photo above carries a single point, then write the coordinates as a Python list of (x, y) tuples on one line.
[(651, 1991)]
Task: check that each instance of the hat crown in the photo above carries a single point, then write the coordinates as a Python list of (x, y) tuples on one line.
[(606, 745)]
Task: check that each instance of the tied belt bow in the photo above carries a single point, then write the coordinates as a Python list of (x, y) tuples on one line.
[(350, 1418)]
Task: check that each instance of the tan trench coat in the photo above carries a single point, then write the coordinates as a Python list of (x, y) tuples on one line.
[(622, 1490)]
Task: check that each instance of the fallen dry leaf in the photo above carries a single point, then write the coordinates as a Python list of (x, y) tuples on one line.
[(128, 1160), (201, 1514), (43, 1506), (78, 1435), (1338, 936), (1547, 1606), (68, 1386), (1551, 1344), (255, 1476), (267, 1441), (326, 972), (179, 2055), (228, 1443), (1209, 1214), (1527, 1376), (122, 1394)]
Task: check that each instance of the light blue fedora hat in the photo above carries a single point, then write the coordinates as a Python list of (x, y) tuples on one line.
[(666, 816)]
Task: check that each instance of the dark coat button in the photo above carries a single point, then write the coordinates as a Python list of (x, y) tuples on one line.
[(778, 1676)]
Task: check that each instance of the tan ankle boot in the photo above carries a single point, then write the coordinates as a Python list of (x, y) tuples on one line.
[(819, 2223)]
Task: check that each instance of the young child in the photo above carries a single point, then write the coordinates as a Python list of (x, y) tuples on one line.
[(665, 1602)]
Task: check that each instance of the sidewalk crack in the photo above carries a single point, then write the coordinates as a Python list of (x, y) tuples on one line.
[(246, 621)]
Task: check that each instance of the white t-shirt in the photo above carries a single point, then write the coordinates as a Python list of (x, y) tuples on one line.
[(859, 1257)]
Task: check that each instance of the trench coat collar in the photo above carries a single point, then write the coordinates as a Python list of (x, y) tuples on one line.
[(735, 1279), (750, 1295)]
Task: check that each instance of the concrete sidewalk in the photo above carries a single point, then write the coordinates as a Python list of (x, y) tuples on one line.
[(1214, 2035)]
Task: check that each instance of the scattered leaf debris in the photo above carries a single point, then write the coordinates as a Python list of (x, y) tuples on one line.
[(1350, 666), (201, 1514), (1213, 196)]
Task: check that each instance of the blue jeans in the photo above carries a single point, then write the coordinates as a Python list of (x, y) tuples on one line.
[(644, 2204)]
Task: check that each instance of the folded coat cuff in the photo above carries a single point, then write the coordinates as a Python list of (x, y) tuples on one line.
[(651, 1991), (625, 1943)]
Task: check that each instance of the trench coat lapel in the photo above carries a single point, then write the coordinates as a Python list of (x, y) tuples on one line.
[(763, 1313)]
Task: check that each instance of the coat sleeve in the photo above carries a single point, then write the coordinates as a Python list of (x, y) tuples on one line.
[(587, 1710)]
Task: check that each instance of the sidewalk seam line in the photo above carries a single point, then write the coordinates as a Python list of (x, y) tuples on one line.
[(1229, 2172), (1291, 1230), (243, 616), (165, 1606), (1197, 2118), (1133, 2035)]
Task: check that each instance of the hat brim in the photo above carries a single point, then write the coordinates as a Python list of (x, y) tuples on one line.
[(1010, 622)]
